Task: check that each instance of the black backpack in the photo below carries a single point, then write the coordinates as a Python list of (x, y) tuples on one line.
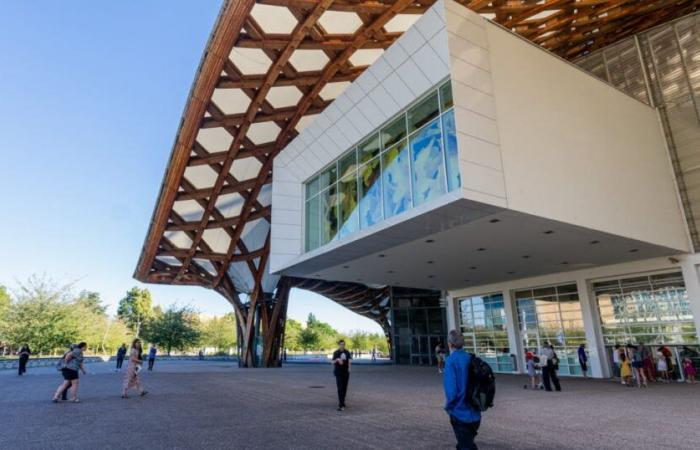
[(481, 386)]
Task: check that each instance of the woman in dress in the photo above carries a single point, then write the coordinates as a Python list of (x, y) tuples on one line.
[(131, 378)]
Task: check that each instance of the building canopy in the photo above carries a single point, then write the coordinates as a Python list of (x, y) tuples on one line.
[(268, 69)]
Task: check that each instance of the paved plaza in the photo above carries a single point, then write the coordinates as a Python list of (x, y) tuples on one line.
[(207, 405)]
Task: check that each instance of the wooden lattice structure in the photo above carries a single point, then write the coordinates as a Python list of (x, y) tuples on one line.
[(269, 67)]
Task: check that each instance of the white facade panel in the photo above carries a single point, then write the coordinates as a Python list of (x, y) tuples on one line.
[(389, 85)]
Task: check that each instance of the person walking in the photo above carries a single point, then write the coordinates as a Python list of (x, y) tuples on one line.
[(583, 359), (625, 369), (533, 367), (131, 378), (689, 370), (465, 420), (342, 359), (121, 354), (661, 366), (638, 365), (550, 364), (616, 362), (23, 353), (440, 354), (648, 362), (152, 357), (70, 365)]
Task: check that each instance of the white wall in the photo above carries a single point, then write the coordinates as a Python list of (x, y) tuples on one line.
[(480, 165), (415, 63), (579, 151)]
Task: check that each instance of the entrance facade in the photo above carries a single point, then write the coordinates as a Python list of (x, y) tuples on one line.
[(417, 324), (652, 310)]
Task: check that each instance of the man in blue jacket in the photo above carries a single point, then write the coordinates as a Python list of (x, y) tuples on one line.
[(465, 420)]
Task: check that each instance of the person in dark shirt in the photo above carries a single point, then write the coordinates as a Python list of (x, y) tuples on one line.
[(152, 356), (24, 353), (121, 353), (342, 360)]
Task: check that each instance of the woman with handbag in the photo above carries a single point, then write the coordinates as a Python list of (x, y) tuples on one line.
[(131, 378), (71, 363)]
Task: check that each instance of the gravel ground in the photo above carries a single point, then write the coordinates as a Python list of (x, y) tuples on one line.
[(207, 405)]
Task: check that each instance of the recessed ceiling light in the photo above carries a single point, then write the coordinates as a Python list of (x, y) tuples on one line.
[(634, 250), (494, 220), (429, 241), (430, 262), (473, 268), (549, 232), (526, 256), (595, 242), (480, 249)]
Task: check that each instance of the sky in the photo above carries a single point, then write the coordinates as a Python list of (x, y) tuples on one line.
[(91, 95)]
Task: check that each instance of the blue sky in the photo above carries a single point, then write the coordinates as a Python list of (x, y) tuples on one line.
[(91, 94)]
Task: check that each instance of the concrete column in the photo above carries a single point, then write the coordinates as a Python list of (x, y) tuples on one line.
[(598, 365), (689, 267), (451, 310), (514, 342)]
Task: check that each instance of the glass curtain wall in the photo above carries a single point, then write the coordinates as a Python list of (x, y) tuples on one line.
[(649, 310), (483, 324), (418, 325), (411, 160), (552, 314)]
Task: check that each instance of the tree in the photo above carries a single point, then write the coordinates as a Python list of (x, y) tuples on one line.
[(309, 339), (176, 328), (327, 335), (91, 301), (5, 303), (219, 332), (135, 309), (292, 332), (40, 316)]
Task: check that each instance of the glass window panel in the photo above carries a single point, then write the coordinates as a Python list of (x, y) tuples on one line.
[(451, 151), (312, 187), (348, 163), (395, 179), (348, 204), (369, 148), (446, 101), (312, 231), (370, 193), (329, 215), (427, 164), (423, 112), (394, 132), (328, 176)]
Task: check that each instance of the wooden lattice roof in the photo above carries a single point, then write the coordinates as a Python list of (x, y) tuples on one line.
[(269, 67)]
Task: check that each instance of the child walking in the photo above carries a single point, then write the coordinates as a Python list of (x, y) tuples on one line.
[(689, 370), (532, 370), (625, 369)]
